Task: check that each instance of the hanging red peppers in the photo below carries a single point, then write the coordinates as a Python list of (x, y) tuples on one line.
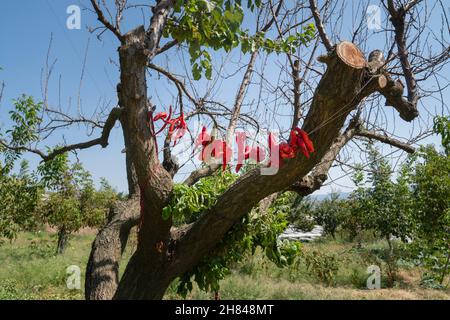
[(299, 141), (177, 126)]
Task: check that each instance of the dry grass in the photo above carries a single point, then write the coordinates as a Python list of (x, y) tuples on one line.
[(239, 286)]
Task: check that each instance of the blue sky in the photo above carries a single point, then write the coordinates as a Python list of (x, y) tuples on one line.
[(25, 30)]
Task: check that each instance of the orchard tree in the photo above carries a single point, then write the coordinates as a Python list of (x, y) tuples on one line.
[(384, 204), (430, 181), (19, 197), (294, 74), (71, 202), (20, 190), (329, 213)]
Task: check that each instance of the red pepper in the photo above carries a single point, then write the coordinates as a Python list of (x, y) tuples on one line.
[(166, 121), (303, 147), (306, 139), (159, 116), (286, 151), (224, 155), (203, 139)]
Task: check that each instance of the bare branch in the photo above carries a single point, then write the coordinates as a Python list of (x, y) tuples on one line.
[(174, 79), (319, 25), (385, 139), (398, 21), (166, 47), (393, 92), (105, 22), (102, 140)]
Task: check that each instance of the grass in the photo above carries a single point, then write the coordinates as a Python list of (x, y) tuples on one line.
[(30, 270)]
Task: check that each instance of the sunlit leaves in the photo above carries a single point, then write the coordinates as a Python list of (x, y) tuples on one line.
[(217, 24), (442, 127), (19, 196), (26, 118)]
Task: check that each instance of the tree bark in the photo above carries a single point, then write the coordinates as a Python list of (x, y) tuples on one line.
[(147, 266), (102, 271), (63, 239)]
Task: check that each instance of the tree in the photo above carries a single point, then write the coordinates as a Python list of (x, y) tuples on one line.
[(327, 105), (385, 204), (329, 214), (301, 213), (430, 181), (72, 201), (19, 196)]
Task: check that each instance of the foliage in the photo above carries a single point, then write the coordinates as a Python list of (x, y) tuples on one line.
[(73, 201), (301, 214), (442, 127), (324, 266), (431, 193), (19, 195), (189, 201), (26, 119), (329, 214), (384, 205), (217, 24)]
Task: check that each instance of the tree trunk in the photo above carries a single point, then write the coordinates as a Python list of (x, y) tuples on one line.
[(102, 271), (146, 278), (63, 239), (146, 275)]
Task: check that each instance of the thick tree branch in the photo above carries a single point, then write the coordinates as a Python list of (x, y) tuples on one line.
[(398, 21), (102, 270), (327, 114), (102, 140), (393, 92), (157, 22)]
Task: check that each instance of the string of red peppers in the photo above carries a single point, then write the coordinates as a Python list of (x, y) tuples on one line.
[(299, 141)]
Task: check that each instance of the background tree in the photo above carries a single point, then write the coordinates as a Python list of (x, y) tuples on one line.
[(385, 204), (431, 211), (329, 213), (72, 201), (19, 195)]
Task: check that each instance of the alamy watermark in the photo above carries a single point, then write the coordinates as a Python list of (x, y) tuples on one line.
[(374, 279), (73, 281), (73, 21), (373, 17)]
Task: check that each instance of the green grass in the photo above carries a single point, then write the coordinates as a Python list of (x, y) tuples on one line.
[(31, 270)]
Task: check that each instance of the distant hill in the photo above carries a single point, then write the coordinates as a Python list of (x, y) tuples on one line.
[(321, 197)]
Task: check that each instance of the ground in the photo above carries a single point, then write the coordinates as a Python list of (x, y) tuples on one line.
[(31, 270)]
